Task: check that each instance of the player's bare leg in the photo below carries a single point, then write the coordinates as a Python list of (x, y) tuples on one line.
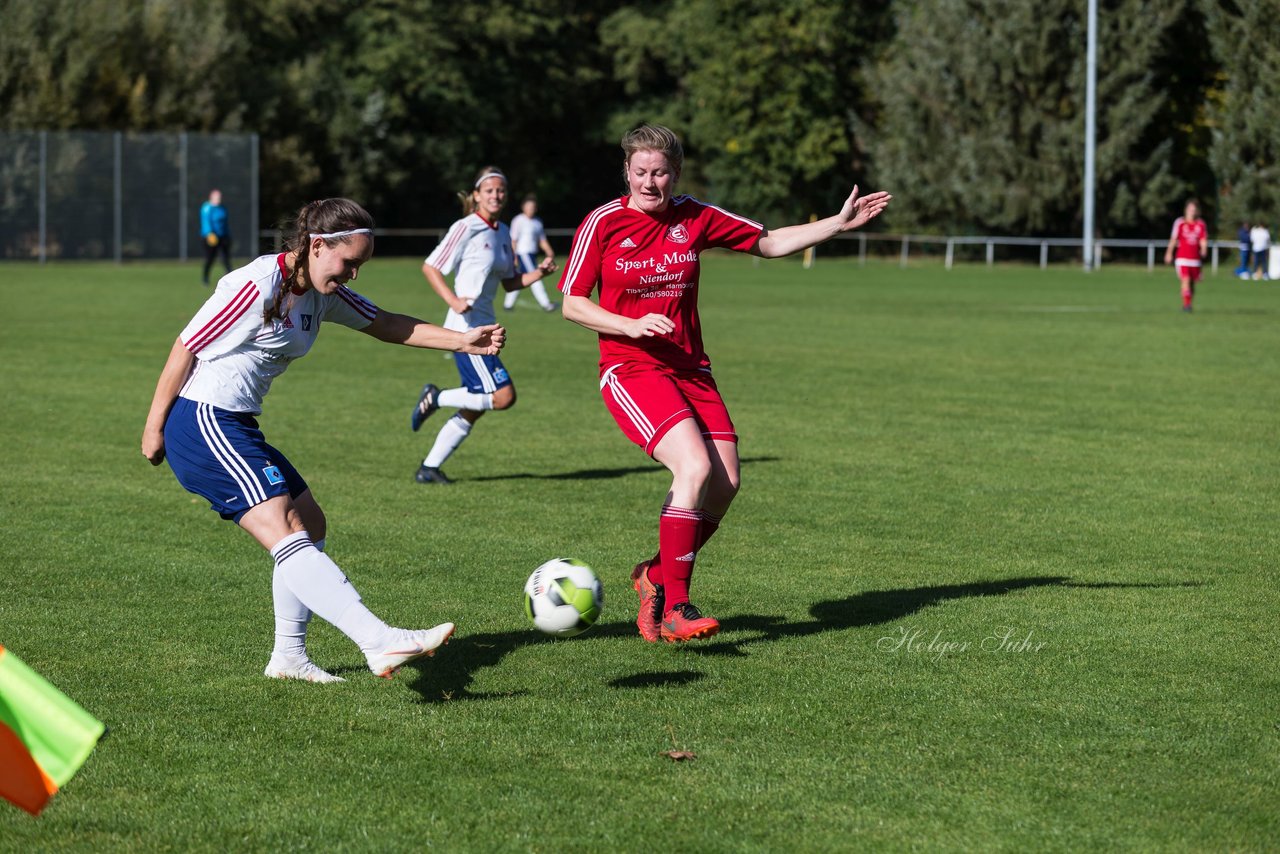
[(685, 454)]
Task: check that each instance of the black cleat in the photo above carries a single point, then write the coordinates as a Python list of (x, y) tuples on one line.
[(427, 474), (426, 405)]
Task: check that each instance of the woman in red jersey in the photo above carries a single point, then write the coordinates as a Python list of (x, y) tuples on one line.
[(1190, 239), (642, 252)]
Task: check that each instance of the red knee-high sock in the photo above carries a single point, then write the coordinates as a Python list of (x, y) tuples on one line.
[(707, 530), (678, 546), (1186, 298)]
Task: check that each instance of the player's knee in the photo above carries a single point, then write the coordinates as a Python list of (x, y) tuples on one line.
[(505, 397), (695, 471)]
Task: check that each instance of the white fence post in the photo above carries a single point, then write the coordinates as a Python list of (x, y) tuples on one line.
[(1215, 260), (118, 207), (1044, 255), (862, 250), (44, 195), (182, 196), (906, 243), (991, 253), (951, 249), (1151, 257)]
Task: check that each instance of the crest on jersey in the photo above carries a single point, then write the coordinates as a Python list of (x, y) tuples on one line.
[(306, 322), (678, 234), (273, 475)]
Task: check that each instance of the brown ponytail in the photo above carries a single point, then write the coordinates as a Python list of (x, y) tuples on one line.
[(320, 217), (468, 198)]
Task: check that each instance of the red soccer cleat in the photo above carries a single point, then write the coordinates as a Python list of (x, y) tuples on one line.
[(649, 620), (684, 622)]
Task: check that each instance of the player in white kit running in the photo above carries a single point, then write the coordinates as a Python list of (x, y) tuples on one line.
[(478, 247), (527, 237), (260, 318)]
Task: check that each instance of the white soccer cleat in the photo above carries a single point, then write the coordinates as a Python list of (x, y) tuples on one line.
[(300, 667), (405, 645)]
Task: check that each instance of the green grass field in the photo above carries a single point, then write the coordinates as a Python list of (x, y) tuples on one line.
[(1002, 576)]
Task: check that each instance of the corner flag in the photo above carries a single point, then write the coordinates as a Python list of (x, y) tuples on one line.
[(44, 736)]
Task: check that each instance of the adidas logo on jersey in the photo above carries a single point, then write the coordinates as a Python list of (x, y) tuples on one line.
[(628, 243)]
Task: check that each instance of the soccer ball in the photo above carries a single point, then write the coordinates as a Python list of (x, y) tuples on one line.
[(563, 597)]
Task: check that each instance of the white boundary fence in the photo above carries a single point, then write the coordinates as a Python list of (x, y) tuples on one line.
[(905, 242)]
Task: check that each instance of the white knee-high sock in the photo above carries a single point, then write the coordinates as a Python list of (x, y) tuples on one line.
[(319, 585), (448, 439), (460, 398), (291, 616), (539, 292), (509, 300)]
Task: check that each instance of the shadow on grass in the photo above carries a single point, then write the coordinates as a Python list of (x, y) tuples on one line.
[(446, 677), (599, 474)]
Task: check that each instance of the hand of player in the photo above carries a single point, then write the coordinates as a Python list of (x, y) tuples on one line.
[(649, 326), (858, 211), (153, 446), (460, 307), (484, 340), (548, 266), (1168, 256)]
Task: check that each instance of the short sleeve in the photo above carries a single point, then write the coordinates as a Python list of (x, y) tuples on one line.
[(725, 230), (446, 256), (347, 307), (229, 318), (583, 271), (1177, 222)]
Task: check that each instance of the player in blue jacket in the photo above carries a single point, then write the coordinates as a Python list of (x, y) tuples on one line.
[(214, 232)]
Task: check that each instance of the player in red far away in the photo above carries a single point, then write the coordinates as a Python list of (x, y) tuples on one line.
[(1188, 246), (642, 252)]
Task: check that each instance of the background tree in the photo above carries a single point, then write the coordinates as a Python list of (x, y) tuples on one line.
[(766, 93), (982, 121), (1245, 109)]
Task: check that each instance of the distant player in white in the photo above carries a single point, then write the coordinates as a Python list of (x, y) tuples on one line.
[(478, 247), (260, 318), (527, 236)]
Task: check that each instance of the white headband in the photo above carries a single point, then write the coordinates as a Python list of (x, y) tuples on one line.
[(337, 234), (486, 176)]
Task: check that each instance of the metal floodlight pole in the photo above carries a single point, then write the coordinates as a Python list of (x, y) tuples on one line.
[(44, 195), (117, 213), (1090, 131), (182, 196)]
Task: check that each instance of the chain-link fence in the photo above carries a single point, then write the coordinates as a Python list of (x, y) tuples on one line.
[(96, 195)]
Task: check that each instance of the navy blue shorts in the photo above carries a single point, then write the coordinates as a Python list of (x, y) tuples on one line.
[(481, 374), (527, 262), (223, 457)]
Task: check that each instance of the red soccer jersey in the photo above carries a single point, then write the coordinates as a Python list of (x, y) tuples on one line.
[(1189, 235), (647, 264)]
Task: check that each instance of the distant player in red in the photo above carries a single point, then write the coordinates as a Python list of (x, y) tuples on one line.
[(642, 252), (1188, 246)]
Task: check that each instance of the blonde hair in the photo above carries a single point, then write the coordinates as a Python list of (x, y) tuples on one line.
[(468, 198), (657, 138)]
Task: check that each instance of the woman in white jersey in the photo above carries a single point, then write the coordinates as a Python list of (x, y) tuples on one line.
[(527, 237), (202, 419), (478, 248)]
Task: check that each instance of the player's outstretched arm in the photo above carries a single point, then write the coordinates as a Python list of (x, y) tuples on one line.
[(524, 280), (857, 212), (412, 332), (175, 372), (584, 312)]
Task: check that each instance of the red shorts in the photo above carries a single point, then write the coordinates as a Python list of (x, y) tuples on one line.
[(1187, 268), (648, 400)]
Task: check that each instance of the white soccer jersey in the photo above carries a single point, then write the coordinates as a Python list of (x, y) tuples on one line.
[(481, 253), (238, 354), (527, 232)]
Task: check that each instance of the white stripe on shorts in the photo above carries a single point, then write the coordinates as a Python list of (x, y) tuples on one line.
[(628, 405), (236, 466), (482, 370)]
